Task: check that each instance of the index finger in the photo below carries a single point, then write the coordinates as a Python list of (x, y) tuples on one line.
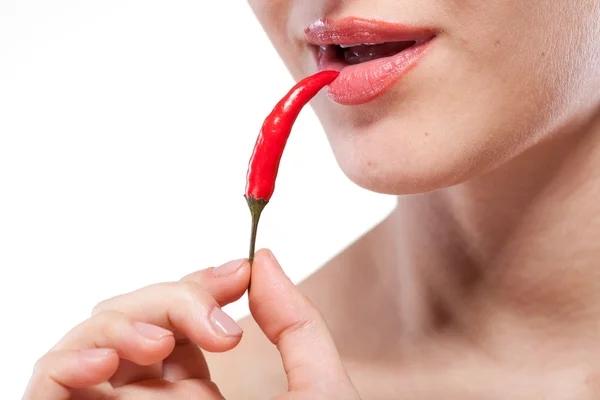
[(191, 307)]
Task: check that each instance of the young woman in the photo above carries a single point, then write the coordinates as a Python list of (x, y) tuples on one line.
[(483, 284)]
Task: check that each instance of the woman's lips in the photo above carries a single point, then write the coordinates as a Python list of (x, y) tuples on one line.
[(361, 83)]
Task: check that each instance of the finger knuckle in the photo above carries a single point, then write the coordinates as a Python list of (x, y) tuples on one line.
[(107, 321), (40, 364), (44, 363), (107, 316), (107, 304), (294, 329), (100, 307), (115, 303), (192, 292)]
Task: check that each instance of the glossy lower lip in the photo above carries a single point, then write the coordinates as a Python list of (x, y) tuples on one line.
[(361, 83)]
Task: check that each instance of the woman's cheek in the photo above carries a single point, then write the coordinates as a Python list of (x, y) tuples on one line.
[(272, 14)]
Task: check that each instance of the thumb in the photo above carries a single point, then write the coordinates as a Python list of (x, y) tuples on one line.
[(291, 322)]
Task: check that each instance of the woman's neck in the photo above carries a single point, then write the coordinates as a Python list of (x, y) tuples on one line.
[(520, 244)]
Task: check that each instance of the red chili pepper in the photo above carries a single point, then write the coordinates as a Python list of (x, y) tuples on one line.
[(264, 163)]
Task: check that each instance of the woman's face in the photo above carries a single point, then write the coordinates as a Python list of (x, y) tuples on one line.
[(487, 80)]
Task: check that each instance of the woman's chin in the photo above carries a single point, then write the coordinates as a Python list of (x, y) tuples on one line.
[(396, 171), (394, 180)]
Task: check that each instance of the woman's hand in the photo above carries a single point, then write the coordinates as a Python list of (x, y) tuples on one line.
[(146, 344)]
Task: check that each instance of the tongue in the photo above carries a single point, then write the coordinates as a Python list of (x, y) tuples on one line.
[(364, 53)]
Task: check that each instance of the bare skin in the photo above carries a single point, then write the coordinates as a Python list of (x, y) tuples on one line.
[(479, 291), (148, 344), (488, 294), (483, 284)]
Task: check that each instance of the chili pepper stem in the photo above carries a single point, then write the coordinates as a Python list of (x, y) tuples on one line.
[(256, 207)]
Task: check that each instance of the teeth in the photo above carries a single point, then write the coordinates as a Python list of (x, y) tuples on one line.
[(345, 46)]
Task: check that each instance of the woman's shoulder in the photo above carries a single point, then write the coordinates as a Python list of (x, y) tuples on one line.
[(250, 371)]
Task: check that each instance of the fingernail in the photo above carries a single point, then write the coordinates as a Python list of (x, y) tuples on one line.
[(224, 323), (152, 332), (228, 268), (96, 354)]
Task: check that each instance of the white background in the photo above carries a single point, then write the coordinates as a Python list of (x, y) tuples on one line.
[(125, 132)]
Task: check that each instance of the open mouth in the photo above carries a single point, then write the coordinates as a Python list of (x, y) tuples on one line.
[(352, 54), (371, 55)]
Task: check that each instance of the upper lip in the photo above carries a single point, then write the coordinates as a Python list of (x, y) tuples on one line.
[(354, 30)]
